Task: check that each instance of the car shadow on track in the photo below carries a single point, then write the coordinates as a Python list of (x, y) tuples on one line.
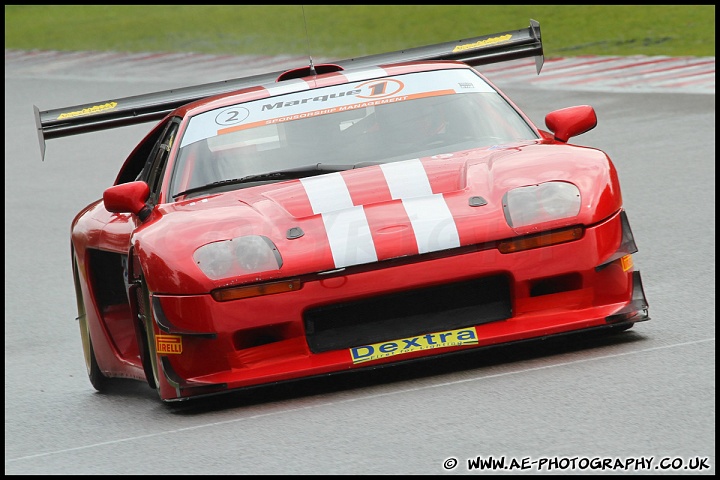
[(422, 368), (128, 389)]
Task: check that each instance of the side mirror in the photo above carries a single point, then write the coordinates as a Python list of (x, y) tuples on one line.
[(571, 121), (128, 198)]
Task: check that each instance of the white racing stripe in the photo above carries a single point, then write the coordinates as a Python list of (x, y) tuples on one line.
[(365, 74), (327, 192), (406, 179), (432, 222), (429, 215), (288, 86), (349, 236), (346, 225)]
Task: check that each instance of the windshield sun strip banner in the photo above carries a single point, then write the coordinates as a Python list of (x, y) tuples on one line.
[(298, 116), (336, 98)]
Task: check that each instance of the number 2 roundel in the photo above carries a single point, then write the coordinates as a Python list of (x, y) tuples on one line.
[(232, 116), (381, 88)]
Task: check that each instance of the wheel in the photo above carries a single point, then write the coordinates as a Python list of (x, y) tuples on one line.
[(98, 380), (149, 354)]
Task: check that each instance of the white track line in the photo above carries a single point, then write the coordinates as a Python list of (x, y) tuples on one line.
[(366, 397)]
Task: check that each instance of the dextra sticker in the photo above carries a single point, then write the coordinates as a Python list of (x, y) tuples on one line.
[(429, 341), (168, 344)]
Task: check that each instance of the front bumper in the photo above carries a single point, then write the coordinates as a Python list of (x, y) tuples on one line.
[(406, 309)]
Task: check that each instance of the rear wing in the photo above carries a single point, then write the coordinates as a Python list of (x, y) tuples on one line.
[(120, 112)]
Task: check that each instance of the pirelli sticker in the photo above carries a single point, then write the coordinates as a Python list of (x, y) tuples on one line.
[(168, 344), (429, 341)]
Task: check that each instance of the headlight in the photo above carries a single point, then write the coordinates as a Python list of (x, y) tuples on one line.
[(541, 203), (238, 256)]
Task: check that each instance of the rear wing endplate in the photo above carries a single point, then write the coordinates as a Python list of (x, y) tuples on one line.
[(120, 112)]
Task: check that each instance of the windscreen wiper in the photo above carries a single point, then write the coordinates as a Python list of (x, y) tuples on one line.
[(290, 173)]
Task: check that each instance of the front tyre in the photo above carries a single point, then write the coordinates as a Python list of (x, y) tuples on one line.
[(98, 380), (147, 337)]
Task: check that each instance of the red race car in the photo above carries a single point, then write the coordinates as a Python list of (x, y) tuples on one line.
[(340, 216)]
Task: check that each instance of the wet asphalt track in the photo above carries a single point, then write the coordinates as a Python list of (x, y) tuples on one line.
[(649, 392)]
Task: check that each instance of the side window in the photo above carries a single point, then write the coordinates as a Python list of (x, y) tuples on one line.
[(137, 161), (158, 160)]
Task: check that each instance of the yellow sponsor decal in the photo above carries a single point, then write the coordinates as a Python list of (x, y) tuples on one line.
[(482, 43), (168, 344), (429, 341), (626, 262), (89, 111)]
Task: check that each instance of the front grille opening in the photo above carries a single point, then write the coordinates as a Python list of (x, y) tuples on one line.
[(409, 313), (255, 337), (561, 283)]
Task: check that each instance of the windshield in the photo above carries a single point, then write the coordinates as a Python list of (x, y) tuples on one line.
[(369, 122)]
